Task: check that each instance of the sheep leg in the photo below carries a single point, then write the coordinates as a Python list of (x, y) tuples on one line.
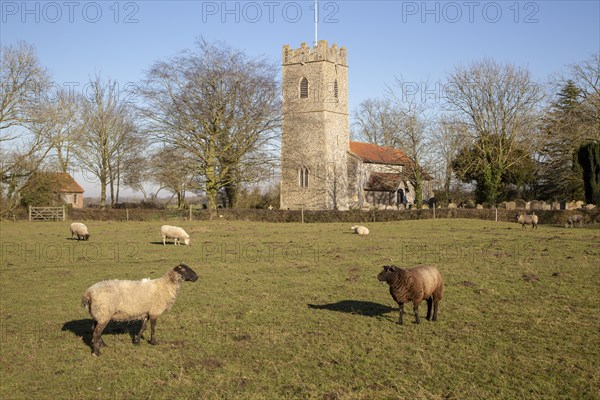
[(164, 240), (102, 344), (136, 339), (429, 306), (153, 340), (400, 318), (435, 308), (96, 338), (416, 310)]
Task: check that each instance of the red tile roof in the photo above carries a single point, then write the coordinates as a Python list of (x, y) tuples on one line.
[(62, 182), (371, 153)]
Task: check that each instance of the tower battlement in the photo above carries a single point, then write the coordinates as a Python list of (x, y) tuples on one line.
[(320, 52)]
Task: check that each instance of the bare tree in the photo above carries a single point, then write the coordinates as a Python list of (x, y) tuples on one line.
[(55, 119), (107, 129), (447, 138), (22, 81), (499, 104), (218, 106), (136, 171), (170, 170), (378, 121), (586, 77)]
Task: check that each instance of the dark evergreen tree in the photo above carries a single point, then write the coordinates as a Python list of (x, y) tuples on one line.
[(560, 173), (588, 157)]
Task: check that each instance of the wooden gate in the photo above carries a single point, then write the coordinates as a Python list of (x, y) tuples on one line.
[(47, 213)]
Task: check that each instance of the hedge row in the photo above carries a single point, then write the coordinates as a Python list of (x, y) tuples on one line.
[(354, 216)]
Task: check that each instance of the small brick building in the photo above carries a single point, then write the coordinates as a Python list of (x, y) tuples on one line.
[(66, 189)]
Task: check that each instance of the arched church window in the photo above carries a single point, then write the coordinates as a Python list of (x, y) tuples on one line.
[(303, 177), (304, 88)]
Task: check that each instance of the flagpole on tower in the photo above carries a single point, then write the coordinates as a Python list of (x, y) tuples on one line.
[(316, 21)]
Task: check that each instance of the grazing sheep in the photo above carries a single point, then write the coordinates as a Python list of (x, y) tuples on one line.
[(525, 219), (574, 218), (174, 232), (360, 230), (416, 284), (121, 300), (79, 229)]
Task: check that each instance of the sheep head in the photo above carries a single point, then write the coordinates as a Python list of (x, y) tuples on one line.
[(86, 236), (184, 273), (186, 241), (388, 272)]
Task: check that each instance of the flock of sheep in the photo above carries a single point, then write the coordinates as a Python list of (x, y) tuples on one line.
[(147, 299)]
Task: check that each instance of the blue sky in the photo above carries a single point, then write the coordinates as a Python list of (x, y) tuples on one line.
[(413, 39)]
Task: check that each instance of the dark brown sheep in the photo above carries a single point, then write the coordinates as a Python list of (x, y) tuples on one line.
[(416, 284)]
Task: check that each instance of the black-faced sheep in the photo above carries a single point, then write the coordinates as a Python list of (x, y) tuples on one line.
[(573, 219), (416, 284), (359, 230), (525, 219), (79, 229), (174, 232), (121, 300)]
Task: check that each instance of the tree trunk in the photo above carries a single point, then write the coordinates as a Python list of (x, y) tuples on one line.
[(103, 192), (118, 186), (231, 191), (447, 181)]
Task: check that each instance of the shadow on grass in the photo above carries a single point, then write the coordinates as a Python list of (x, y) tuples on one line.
[(366, 308), (83, 328)]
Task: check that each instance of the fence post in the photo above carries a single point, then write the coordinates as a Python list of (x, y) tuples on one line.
[(126, 214), (64, 212), (302, 214), (29, 213), (191, 211), (496, 215)]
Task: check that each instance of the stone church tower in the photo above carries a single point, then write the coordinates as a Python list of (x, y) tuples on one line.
[(315, 128)]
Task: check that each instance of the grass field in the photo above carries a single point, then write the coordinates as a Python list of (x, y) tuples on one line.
[(295, 311)]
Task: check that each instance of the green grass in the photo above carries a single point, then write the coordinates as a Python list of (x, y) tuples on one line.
[(295, 311)]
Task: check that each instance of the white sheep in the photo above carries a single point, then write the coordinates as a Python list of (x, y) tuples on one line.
[(574, 218), (79, 229), (525, 219), (359, 230), (122, 300), (174, 232)]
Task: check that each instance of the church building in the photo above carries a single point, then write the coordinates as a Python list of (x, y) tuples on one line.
[(321, 169)]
